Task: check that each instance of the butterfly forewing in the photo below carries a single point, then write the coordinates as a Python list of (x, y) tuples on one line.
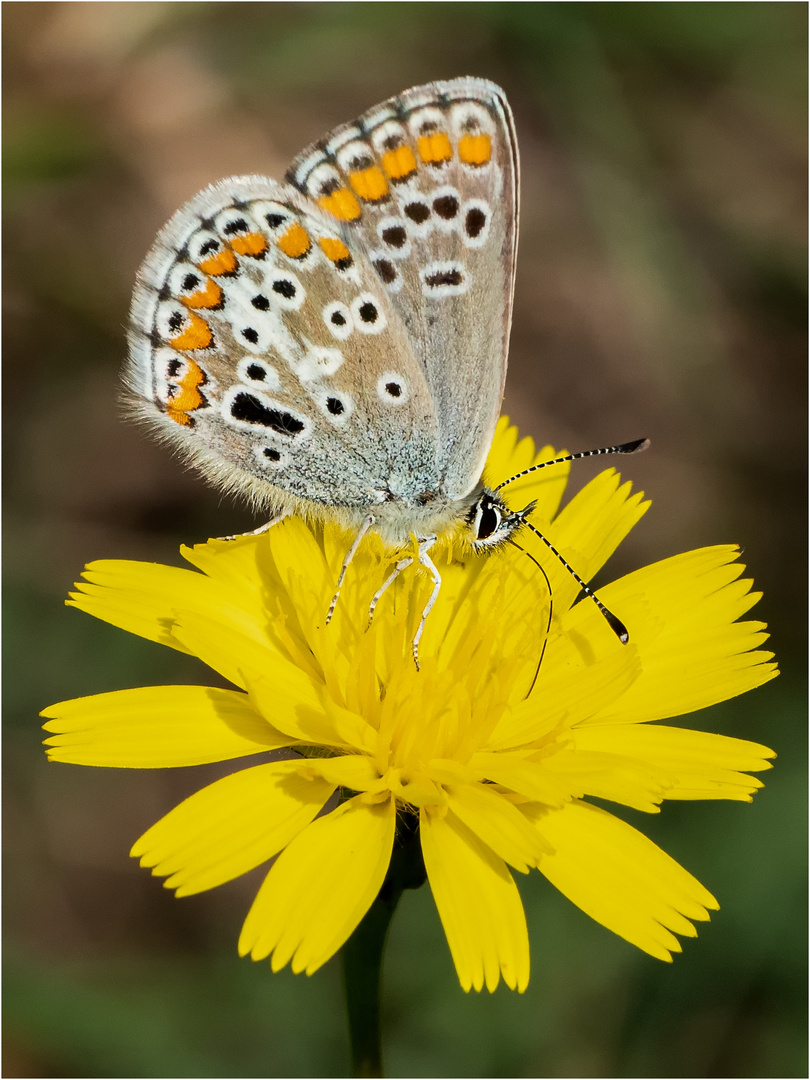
[(429, 181)]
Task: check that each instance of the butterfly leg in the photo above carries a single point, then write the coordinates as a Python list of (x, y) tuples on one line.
[(403, 564), (367, 523), (426, 561), (257, 532)]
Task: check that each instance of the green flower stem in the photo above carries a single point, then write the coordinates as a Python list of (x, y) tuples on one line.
[(363, 952)]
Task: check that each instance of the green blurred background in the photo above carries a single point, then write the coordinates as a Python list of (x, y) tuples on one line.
[(660, 292)]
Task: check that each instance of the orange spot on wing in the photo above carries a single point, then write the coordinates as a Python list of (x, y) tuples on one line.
[(188, 396), (210, 296), (341, 204), (369, 183), (295, 241), (399, 163), (434, 148), (335, 250), (222, 262), (197, 335), (179, 417), (475, 149), (187, 401), (250, 244)]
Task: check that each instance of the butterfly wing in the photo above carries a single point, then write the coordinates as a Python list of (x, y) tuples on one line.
[(264, 345), (428, 182)]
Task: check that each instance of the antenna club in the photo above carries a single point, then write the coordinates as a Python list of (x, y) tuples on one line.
[(634, 447)]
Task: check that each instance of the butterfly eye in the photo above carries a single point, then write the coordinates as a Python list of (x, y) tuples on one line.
[(487, 521)]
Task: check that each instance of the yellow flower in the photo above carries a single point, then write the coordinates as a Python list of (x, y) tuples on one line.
[(499, 780)]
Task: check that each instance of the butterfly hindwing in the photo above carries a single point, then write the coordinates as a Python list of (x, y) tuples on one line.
[(267, 346)]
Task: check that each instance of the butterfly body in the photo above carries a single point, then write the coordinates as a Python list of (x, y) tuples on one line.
[(335, 346)]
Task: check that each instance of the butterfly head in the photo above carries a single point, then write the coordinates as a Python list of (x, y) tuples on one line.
[(491, 522)]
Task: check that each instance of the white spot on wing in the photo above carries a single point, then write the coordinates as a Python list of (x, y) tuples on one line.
[(264, 208), (390, 230), (324, 397), (258, 372), (233, 222), (286, 290), (317, 362), (470, 222), (443, 200), (425, 121), (444, 279), (338, 319), (321, 176), (355, 151), (392, 388), (389, 130), (368, 314), (468, 117)]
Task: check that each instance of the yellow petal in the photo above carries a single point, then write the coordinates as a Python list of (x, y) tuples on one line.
[(507, 457), (478, 903), (563, 698), (156, 727), (498, 823), (243, 564), (278, 692), (231, 826), (282, 692), (321, 887), (254, 598), (516, 772), (681, 612), (352, 771), (140, 597), (589, 529), (620, 878), (640, 784), (700, 765)]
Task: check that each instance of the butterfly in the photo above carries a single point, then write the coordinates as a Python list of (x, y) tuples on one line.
[(336, 346)]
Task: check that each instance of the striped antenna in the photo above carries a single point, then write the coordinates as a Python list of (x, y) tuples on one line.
[(634, 447), (616, 625)]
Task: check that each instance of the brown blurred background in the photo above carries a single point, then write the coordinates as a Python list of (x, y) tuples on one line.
[(661, 291)]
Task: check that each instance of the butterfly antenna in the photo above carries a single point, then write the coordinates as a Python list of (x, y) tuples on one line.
[(550, 613), (616, 625), (634, 447)]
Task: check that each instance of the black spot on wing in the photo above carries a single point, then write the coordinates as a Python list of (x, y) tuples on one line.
[(250, 410)]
